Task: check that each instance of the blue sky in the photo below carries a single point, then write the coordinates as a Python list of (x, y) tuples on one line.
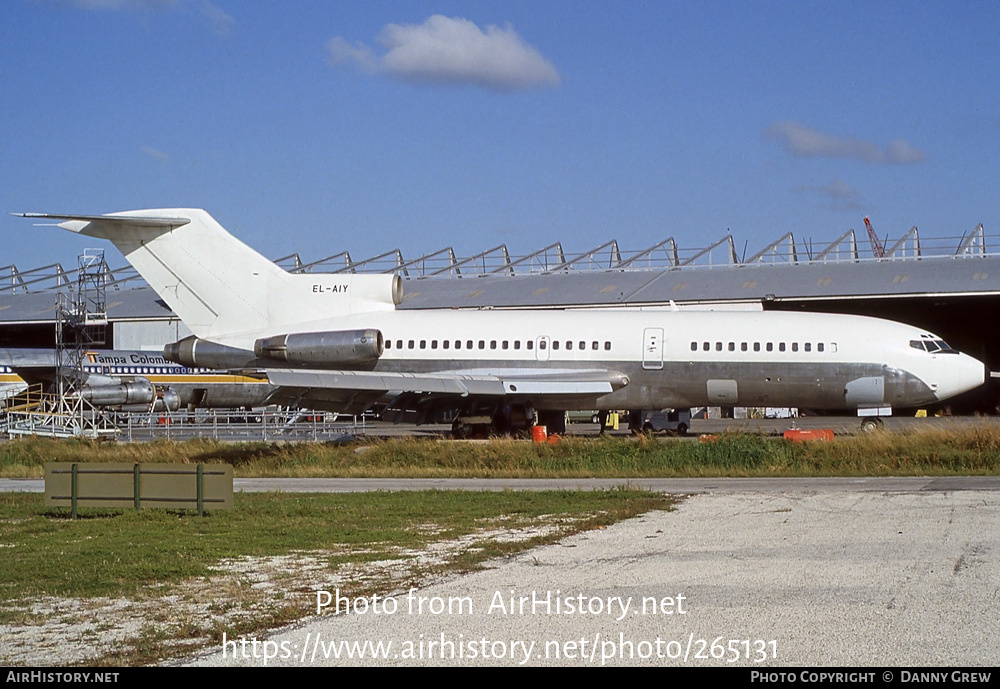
[(318, 126)]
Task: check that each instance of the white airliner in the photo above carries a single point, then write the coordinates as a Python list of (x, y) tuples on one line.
[(337, 342), (131, 380)]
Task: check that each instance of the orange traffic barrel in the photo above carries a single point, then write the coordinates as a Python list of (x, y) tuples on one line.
[(539, 434)]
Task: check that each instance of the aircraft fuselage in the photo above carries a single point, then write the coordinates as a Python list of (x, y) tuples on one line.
[(685, 358)]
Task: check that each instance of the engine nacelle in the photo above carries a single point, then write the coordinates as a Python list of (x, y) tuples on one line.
[(333, 348), (192, 352), (129, 391)]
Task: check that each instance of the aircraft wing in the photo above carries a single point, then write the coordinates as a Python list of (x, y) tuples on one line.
[(41, 366), (355, 391), (32, 365)]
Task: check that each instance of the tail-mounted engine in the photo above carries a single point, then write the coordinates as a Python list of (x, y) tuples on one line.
[(195, 352), (332, 348), (336, 348)]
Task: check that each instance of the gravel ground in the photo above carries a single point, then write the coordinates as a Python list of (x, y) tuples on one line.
[(772, 579)]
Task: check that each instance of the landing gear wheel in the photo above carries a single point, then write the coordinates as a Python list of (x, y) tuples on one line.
[(871, 424)]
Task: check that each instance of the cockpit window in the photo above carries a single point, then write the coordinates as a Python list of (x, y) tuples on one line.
[(932, 346)]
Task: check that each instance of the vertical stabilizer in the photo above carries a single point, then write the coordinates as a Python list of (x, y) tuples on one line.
[(222, 289)]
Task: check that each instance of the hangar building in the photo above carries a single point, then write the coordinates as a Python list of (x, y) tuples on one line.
[(949, 286)]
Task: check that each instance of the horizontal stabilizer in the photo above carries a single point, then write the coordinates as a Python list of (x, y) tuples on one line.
[(104, 225)]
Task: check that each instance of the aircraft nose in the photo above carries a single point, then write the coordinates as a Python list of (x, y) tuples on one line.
[(966, 374)]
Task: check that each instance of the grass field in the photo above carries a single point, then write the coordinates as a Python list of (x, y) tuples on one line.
[(125, 587), (968, 450), (130, 588)]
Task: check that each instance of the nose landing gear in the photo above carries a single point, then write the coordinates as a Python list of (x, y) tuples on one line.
[(870, 424)]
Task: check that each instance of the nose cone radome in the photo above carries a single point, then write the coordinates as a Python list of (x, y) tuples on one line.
[(964, 373)]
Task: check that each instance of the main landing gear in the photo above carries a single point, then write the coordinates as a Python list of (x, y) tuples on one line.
[(513, 420)]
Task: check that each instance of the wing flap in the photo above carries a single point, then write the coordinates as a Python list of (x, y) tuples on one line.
[(383, 381), (589, 383)]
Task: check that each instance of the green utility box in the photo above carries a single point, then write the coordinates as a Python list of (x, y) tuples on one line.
[(169, 486)]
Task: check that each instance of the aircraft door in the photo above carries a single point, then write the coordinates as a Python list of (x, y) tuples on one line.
[(542, 346), (652, 349)]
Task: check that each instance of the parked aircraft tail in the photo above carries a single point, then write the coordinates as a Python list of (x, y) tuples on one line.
[(220, 288)]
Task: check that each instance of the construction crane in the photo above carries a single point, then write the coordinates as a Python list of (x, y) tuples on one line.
[(877, 247)]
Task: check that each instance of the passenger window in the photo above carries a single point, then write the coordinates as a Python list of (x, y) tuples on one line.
[(583, 345), (705, 346), (388, 344), (770, 346), (756, 346), (569, 344), (410, 345), (542, 345), (482, 344), (446, 343), (743, 346), (423, 344), (718, 346), (555, 344), (503, 345), (468, 344), (529, 344), (607, 345), (694, 346), (517, 344), (819, 346), (795, 346), (781, 346), (732, 346), (808, 346), (434, 344), (458, 344)]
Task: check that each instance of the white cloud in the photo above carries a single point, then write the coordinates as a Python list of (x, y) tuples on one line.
[(156, 155), (221, 22), (123, 4), (803, 142), (840, 196), (341, 52), (451, 50), (900, 152)]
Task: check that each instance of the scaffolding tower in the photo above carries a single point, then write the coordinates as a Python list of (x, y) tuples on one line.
[(81, 325)]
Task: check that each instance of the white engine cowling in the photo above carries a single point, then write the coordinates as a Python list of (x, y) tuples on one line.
[(332, 348)]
